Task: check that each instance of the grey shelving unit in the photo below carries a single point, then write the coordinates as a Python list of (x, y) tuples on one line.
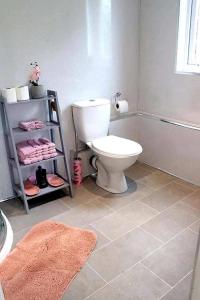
[(53, 123)]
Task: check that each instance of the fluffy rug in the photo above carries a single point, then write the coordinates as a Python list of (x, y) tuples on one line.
[(45, 261)]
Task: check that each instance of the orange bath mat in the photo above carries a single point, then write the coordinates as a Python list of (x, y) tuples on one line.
[(45, 261)]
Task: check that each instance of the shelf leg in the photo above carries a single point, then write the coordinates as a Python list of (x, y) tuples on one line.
[(7, 120)]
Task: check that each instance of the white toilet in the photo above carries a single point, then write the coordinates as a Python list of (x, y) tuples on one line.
[(113, 154)]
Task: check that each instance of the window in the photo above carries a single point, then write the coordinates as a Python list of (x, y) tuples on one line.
[(188, 51)]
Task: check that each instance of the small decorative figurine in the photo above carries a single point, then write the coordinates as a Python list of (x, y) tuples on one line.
[(37, 90)]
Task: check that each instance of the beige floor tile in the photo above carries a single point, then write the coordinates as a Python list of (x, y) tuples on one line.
[(157, 180), (86, 283), (12, 207), (125, 219), (167, 196), (109, 293), (116, 201), (101, 239), (19, 235), (81, 195), (187, 184), (195, 227), (181, 291), (40, 213), (193, 200), (123, 253), (84, 214), (171, 221), (138, 283), (147, 167), (136, 172), (175, 259), (90, 185), (150, 192)]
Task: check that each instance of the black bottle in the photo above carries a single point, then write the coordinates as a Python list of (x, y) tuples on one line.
[(41, 177)]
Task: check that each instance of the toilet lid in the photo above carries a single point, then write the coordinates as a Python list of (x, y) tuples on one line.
[(116, 146)]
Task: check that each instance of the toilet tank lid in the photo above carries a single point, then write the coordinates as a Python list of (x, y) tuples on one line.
[(91, 102)]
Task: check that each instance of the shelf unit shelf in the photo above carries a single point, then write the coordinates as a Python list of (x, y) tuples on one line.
[(44, 191), (50, 97), (60, 154), (52, 106), (48, 126)]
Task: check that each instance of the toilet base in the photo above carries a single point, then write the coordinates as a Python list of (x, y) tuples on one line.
[(115, 183)]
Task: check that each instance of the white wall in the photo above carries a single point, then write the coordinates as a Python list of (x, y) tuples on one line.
[(162, 92), (86, 48)]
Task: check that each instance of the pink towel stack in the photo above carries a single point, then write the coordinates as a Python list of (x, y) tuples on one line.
[(31, 125), (32, 151)]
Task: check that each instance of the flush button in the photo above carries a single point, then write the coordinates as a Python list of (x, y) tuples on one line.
[(91, 100)]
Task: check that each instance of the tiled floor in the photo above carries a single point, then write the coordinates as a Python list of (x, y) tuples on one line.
[(146, 236)]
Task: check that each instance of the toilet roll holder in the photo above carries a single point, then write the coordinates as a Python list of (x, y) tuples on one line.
[(116, 96)]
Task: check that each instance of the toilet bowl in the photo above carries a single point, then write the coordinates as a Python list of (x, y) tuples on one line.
[(113, 155)]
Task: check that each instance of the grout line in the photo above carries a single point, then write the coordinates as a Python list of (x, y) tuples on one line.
[(165, 282), (193, 230), (174, 204), (162, 242), (99, 230), (88, 264), (175, 236), (101, 288), (139, 227), (157, 212), (176, 284), (122, 235)]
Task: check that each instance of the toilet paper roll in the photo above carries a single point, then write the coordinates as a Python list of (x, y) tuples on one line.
[(22, 93), (122, 106), (9, 95)]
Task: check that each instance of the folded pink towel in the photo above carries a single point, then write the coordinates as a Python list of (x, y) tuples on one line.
[(22, 157), (49, 152), (42, 145), (26, 161), (31, 125), (46, 156), (47, 142), (25, 148), (34, 144), (33, 150)]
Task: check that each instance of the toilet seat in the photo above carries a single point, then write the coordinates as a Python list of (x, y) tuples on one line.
[(115, 146)]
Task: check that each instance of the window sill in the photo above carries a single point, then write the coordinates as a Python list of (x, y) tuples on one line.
[(190, 73)]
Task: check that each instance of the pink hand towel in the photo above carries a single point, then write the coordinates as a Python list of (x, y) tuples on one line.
[(26, 161), (46, 156), (31, 125), (42, 145), (34, 144), (53, 154), (47, 142), (48, 152), (24, 148)]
